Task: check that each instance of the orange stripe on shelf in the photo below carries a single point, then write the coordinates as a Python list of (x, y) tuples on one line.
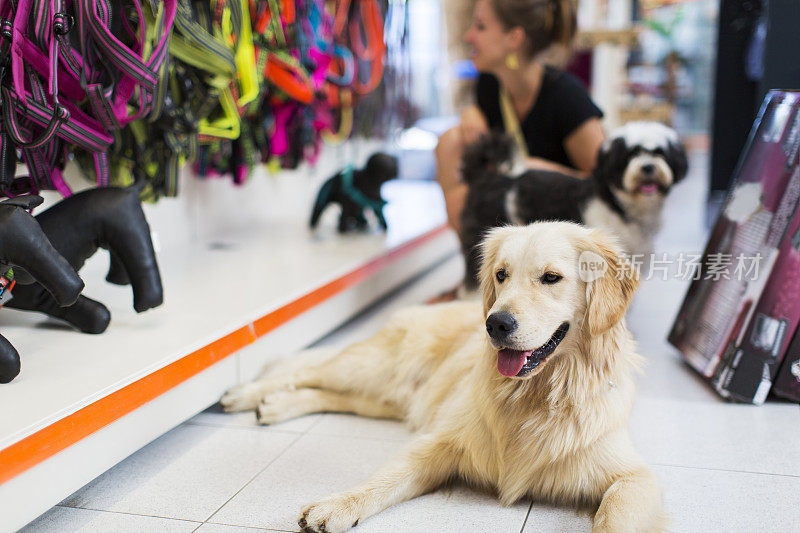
[(60, 435)]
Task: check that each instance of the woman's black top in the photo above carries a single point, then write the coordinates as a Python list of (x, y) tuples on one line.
[(561, 106)]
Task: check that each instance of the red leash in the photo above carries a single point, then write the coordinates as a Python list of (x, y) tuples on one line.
[(374, 51)]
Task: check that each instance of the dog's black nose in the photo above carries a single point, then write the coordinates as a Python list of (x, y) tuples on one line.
[(501, 325), (648, 169)]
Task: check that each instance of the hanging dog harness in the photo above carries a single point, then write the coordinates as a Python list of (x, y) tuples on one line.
[(56, 81), (133, 94)]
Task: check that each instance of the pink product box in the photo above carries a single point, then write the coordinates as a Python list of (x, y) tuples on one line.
[(750, 231), (750, 364), (787, 381)]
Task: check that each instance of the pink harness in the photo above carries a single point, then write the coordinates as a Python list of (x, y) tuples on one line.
[(52, 83)]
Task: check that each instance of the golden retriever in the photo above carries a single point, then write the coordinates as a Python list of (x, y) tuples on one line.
[(528, 394)]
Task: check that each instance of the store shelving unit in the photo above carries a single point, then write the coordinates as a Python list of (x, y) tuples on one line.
[(245, 281), (606, 29)]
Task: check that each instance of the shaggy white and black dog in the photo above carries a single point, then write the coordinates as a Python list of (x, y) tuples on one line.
[(636, 168)]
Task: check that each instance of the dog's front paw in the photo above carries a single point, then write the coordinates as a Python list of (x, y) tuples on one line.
[(608, 522), (331, 515), (242, 397), (280, 406)]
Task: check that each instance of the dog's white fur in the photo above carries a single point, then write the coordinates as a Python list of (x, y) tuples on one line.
[(636, 234), (557, 434), (648, 135)]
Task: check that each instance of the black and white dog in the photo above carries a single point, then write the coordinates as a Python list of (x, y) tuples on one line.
[(636, 167)]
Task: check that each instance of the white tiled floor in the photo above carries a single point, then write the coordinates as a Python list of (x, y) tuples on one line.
[(724, 467)]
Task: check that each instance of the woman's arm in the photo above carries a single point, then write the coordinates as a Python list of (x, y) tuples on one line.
[(448, 160), (538, 163), (473, 124), (581, 146), (448, 164)]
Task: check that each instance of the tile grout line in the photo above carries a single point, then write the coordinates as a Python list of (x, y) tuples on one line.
[(528, 514), (359, 437), (130, 514), (315, 424), (299, 436), (726, 470), (267, 429), (249, 527), (200, 522)]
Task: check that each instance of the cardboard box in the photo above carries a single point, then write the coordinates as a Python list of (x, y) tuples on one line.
[(717, 310)]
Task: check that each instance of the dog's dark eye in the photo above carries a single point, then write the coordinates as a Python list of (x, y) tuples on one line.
[(501, 275), (550, 277)]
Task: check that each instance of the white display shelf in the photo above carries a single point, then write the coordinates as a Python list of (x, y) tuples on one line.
[(245, 281)]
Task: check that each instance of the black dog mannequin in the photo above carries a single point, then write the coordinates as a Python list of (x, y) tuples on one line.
[(356, 190), (24, 246), (49, 250)]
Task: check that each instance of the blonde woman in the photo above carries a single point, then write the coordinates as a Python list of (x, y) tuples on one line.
[(548, 111)]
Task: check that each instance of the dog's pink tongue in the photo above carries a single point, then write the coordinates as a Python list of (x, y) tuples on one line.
[(648, 188), (510, 362)]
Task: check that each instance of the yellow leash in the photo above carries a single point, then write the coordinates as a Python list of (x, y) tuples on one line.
[(511, 123)]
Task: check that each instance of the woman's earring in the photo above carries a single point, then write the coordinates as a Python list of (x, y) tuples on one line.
[(512, 61)]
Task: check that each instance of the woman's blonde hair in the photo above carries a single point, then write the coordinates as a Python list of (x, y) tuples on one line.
[(545, 22)]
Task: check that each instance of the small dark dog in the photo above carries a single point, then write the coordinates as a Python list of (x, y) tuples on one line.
[(636, 167), (355, 191)]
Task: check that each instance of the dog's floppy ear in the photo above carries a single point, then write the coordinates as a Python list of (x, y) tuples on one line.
[(486, 155), (489, 247), (612, 158), (676, 159), (612, 288)]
